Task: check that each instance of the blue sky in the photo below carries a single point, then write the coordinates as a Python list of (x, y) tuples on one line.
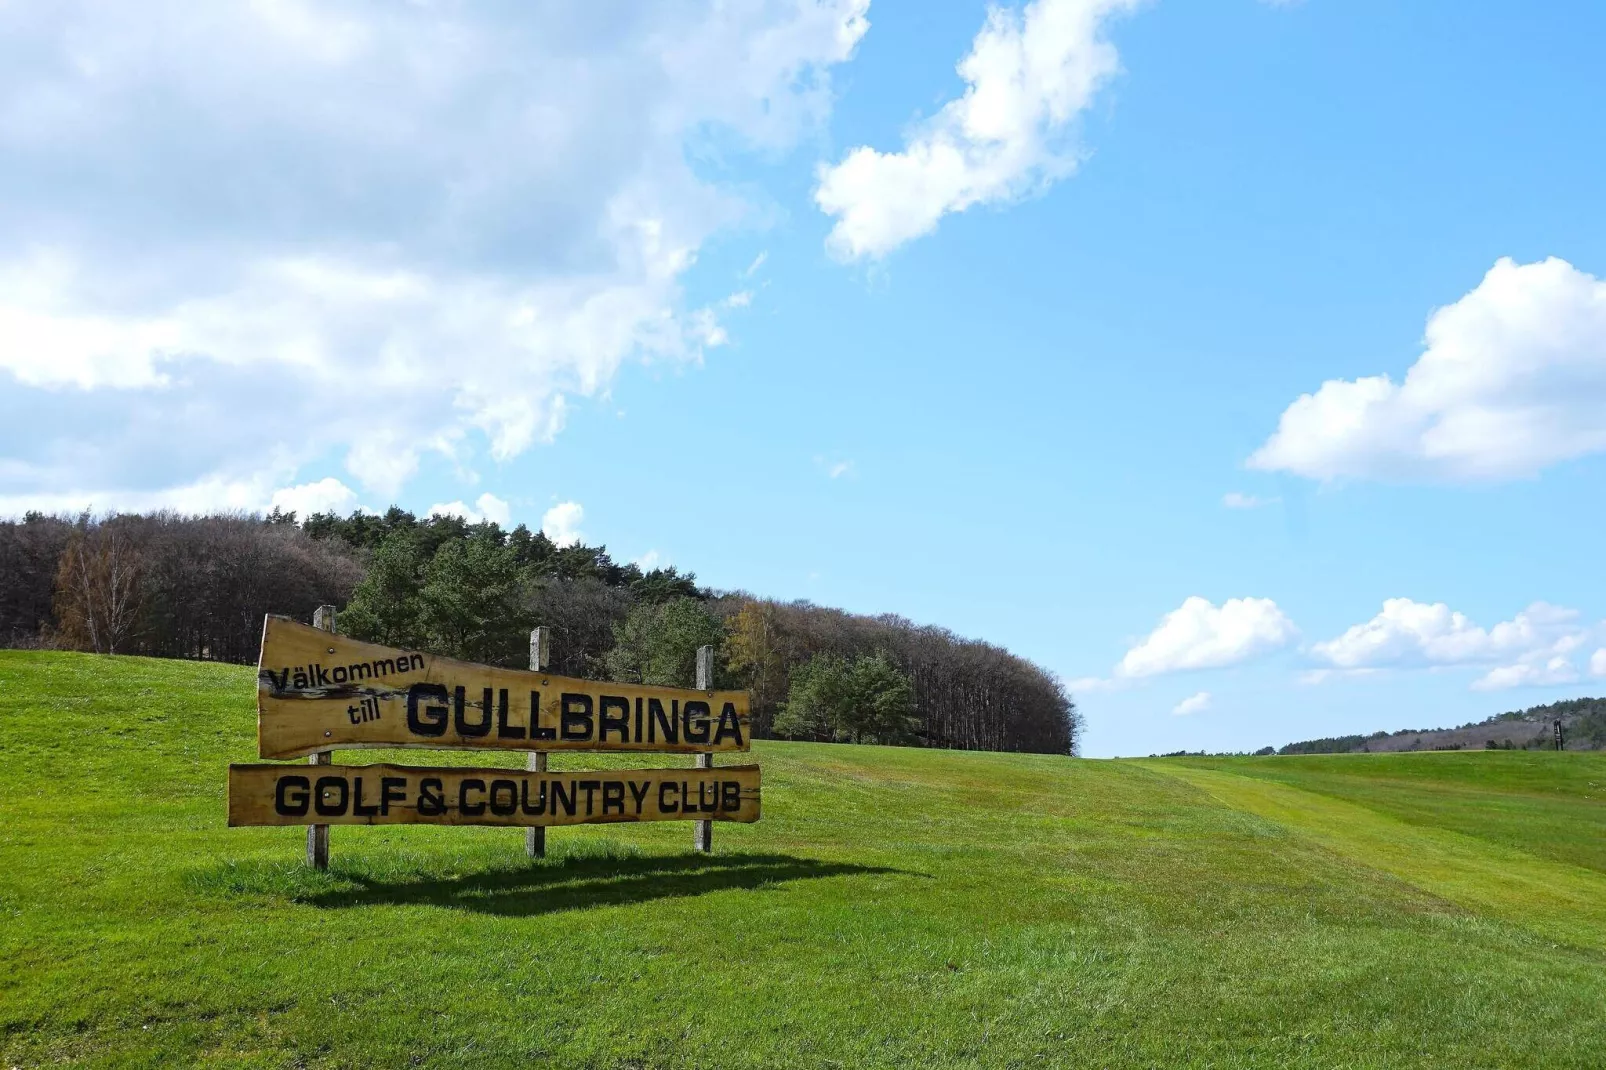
[(1062, 325)]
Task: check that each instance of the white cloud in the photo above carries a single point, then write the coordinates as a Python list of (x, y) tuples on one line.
[(1193, 704), (1534, 647), (1512, 378), (758, 262), (1201, 635), (1552, 671), (1411, 634), (1235, 500), (494, 509), (1597, 662), (561, 523), (1028, 75), (648, 561), (1312, 677), (384, 230), (213, 494), (327, 495), (486, 507)]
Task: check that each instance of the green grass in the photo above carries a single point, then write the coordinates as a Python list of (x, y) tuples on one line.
[(893, 908)]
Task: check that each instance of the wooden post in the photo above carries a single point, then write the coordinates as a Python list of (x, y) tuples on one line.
[(705, 682), (318, 835), (535, 838)]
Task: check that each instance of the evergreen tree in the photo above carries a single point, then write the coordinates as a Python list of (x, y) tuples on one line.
[(384, 608), (468, 607)]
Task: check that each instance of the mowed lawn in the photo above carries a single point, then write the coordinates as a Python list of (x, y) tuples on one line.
[(893, 908)]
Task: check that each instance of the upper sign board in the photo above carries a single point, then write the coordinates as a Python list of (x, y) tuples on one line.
[(317, 691)]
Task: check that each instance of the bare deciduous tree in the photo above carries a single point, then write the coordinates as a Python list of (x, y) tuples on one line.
[(98, 589)]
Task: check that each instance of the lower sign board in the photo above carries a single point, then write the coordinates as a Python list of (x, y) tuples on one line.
[(317, 691), (454, 795)]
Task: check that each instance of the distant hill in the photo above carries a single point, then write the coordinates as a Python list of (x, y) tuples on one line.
[(1583, 722)]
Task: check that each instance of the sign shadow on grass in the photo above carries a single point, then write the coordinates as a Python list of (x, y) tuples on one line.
[(582, 883)]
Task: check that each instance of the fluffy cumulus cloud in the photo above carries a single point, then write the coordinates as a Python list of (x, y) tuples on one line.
[(487, 507), (327, 495), (1201, 635), (561, 523), (1597, 663), (1028, 75), (1196, 703), (1536, 647), (238, 237), (1512, 378)]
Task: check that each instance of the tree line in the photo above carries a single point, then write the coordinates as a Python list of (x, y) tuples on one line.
[(168, 585)]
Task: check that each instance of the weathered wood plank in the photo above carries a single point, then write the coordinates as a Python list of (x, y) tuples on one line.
[(454, 795), (317, 691)]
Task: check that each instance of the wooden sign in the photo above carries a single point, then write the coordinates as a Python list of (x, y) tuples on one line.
[(453, 795), (317, 690)]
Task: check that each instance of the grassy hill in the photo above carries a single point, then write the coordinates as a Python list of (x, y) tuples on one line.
[(893, 908)]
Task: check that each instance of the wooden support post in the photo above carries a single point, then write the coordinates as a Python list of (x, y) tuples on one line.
[(318, 835), (705, 682), (535, 838)]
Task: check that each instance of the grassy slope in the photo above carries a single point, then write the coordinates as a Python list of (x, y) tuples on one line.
[(894, 907)]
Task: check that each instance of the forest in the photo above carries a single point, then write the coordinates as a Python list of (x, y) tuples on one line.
[(169, 585)]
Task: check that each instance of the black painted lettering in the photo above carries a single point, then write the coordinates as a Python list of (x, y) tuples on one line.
[(664, 805), (695, 727), (729, 725), (465, 727), (638, 793), (474, 809), (503, 729), (431, 796), (590, 788), (330, 796), (657, 721), (730, 795), (431, 720), (575, 718), (638, 719), (357, 807), (392, 789), (615, 717), (504, 806), (563, 795), (537, 729), (707, 796), (613, 797), (540, 797), (291, 796)]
